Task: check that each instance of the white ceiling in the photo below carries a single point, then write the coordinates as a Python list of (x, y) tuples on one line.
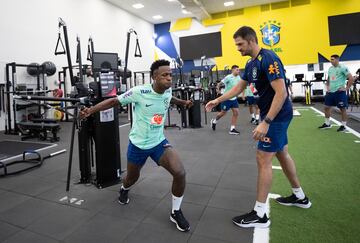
[(173, 10)]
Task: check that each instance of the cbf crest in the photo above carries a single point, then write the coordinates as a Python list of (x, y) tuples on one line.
[(270, 33)]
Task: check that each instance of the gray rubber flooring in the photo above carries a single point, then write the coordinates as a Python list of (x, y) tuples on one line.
[(221, 183)]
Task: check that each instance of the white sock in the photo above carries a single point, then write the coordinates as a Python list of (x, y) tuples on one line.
[(257, 117), (126, 189), (327, 121), (176, 202), (214, 121), (343, 123), (298, 192), (261, 209), (232, 127), (253, 115)]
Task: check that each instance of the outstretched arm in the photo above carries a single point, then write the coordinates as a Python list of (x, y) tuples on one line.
[(185, 103), (104, 105)]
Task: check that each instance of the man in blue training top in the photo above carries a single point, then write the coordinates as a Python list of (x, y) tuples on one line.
[(266, 71), (336, 88), (147, 138), (229, 81)]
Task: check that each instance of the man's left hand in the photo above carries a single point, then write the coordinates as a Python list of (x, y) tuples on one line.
[(260, 131)]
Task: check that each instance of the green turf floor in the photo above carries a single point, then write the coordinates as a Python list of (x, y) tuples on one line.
[(328, 165)]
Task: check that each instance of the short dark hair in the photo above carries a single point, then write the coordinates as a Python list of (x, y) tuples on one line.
[(234, 66), (335, 56), (247, 33), (158, 63)]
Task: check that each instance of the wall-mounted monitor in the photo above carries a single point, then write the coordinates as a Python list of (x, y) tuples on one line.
[(104, 61), (196, 46), (344, 29)]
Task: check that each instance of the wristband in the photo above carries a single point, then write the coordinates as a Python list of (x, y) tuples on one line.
[(268, 120)]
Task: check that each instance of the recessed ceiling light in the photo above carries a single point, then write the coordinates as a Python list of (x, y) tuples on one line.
[(184, 11), (157, 17), (138, 5), (227, 4)]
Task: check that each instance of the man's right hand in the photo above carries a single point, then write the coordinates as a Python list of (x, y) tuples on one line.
[(211, 104), (85, 113)]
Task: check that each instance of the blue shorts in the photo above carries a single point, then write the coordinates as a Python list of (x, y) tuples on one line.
[(276, 137), (228, 104), (251, 100), (138, 156), (337, 98)]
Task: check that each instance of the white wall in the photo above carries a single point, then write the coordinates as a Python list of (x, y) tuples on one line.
[(29, 30)]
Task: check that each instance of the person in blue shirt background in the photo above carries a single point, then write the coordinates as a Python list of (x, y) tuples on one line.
[(266, 71)]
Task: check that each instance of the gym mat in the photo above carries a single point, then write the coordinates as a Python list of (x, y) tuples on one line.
[(10, 149)]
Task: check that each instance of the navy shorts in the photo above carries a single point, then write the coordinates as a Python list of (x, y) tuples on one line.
[(276, 137), (228, 104), (338, 98), (251, 100), (138, 156)]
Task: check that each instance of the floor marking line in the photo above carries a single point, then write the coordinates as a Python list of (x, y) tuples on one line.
[(262, 235), (338, 123)]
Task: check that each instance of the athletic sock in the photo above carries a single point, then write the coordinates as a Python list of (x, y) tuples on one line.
[(298, 192), (327, 121), (257, 117), (261, 209), (232, 127), (253, 115), (343, 123), (176, 202), (125, 188), (214, 121)]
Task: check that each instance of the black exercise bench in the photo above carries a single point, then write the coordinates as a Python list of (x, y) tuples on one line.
[(38, 130)]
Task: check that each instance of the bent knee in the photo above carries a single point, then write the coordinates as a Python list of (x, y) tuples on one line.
[(179, 173)]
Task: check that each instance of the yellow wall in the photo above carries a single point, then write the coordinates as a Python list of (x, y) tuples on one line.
[(303, 34)]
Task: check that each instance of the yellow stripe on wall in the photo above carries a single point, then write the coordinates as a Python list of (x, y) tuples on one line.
[(181, 24)]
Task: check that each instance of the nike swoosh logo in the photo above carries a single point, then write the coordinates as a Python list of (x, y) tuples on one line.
[(147, 105), (266, 146), (248, 222)]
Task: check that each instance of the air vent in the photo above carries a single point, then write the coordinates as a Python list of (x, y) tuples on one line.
[(295, 3), (279, 5), (236, 12), (265, 7)]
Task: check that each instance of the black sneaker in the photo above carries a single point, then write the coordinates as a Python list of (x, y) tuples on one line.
[(123, 198), (252, 120), (181, 223), (256, 122), (341, 129), (234, 132), (294, 201), (324, 126), (251, 220)]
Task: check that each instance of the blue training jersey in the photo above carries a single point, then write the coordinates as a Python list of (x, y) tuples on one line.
[(261, 71)]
